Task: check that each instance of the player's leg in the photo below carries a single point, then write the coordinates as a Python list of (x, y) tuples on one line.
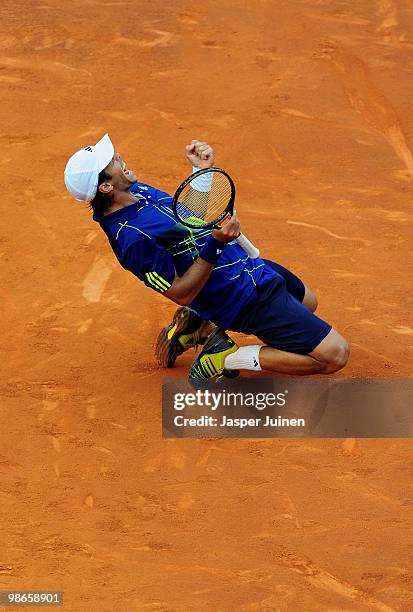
[(329, 356), (296, 341), (220, 354)]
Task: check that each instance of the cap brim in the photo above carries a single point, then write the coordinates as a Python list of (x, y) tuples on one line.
[(104, 150)]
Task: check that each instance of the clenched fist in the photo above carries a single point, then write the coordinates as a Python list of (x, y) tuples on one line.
[(230, 230), (200, 154)]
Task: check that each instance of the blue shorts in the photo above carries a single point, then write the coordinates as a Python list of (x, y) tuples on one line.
[(278, 318)]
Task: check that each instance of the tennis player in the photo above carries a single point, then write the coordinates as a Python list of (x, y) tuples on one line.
[(217, 286)]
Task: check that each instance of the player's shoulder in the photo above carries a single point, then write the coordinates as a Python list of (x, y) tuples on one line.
[(126, 227)]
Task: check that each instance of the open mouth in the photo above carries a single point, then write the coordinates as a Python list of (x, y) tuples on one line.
[(126, 172)]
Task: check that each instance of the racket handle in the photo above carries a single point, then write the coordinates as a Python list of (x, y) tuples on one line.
[(248, 247)]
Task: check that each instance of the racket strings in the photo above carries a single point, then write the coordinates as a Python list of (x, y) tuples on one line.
[(204, 198)]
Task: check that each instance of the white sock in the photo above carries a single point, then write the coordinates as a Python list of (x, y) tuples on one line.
[(245, 358)]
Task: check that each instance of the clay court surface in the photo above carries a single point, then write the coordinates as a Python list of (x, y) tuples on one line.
[(309, 105)]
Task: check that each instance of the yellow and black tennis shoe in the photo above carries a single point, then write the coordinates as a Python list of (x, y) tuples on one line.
[(185, 331), (209, 365)]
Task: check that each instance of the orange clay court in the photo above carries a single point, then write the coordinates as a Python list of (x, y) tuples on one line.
[(308, 104)]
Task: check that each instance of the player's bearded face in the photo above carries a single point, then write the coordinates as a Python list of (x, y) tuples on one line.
[(122, 177)]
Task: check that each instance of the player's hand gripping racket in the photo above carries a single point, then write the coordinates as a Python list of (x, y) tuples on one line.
[(204, 199)]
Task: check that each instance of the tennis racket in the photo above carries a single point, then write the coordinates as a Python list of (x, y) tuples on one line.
[(204, 199)]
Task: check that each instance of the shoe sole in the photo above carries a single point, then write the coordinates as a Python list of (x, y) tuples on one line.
[(168, 349)]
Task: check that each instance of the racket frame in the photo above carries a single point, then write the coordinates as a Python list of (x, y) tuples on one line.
[(229, 209)]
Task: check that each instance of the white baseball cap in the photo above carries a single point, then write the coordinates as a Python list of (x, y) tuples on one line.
[(82, 169)]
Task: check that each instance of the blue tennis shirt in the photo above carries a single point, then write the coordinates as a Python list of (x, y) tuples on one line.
[(148, 241)]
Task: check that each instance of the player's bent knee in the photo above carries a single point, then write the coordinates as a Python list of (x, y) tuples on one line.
[(332, 352), (338, 358)]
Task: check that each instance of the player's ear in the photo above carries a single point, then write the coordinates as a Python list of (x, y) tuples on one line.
[(105, 188)]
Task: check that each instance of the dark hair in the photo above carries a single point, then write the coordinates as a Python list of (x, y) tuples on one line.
[(102, 201)]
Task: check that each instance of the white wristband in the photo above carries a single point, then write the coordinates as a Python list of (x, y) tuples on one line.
[(203, 182)]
